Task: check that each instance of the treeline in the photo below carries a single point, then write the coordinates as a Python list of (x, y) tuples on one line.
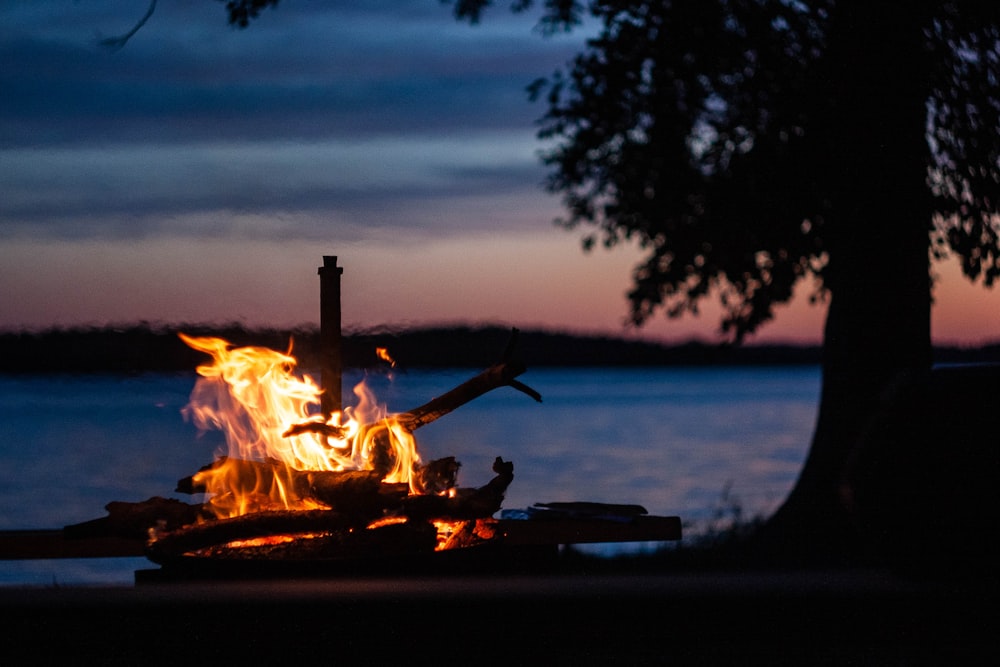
[(144, 348)]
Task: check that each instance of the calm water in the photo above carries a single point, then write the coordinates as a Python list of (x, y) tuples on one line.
[(673, 440)]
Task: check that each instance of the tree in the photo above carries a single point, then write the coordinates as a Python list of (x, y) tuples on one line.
[(749, 144)]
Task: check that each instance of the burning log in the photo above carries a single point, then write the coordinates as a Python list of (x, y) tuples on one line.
[(416, 510), (438, 476), (347, 490), (465, 503), (358, 491), (246, 527)]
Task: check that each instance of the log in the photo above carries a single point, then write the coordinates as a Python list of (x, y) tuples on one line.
[(465, 504), (437, 476), (170, 544), (350, 491), (501, 374), (498, 375), (133, 520)]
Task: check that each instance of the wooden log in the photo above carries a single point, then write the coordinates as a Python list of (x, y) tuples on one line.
[(53, 543), (348, 490), (344, 490), (248, 526), (588, 531), (465, 503), (437, 476), (45, 544), (133, 520), (501, 374), (586, 510), (498, 375)]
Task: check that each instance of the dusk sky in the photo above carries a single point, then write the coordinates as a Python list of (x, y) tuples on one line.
[(200, 173)]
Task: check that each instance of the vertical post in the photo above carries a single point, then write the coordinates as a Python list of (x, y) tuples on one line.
[(331, 367)]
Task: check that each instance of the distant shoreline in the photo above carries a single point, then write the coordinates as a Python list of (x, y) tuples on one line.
[(143, 348)]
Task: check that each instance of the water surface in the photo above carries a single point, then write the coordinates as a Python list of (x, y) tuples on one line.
[(674, 440)]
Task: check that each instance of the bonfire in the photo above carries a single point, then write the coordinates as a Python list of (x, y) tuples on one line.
[(296, 481)]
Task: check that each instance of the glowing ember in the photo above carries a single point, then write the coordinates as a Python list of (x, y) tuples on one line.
[(383, 354), (270, 414)]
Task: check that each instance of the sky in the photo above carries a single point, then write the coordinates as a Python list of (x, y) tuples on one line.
[(201, 173)]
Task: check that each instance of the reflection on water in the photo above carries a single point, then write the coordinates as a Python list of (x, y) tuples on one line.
[(671, 439)]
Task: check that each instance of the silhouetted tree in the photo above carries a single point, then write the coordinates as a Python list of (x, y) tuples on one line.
[(747, 145)]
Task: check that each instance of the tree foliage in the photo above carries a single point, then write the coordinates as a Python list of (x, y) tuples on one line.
[(699, 130), (964, 137), (241, 12)]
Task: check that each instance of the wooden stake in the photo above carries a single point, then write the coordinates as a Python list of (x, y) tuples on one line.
[(331, 364)]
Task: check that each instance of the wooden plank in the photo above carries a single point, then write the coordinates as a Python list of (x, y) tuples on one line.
[(590, 531), (44, 544)]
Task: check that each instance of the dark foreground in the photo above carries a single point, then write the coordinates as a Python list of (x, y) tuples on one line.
[(799, 618)]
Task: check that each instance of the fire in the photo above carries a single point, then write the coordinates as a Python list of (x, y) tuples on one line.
[(384, 355), (270, 414)]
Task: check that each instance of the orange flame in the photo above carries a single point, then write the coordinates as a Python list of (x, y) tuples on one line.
[(383, 354), (269, 414)]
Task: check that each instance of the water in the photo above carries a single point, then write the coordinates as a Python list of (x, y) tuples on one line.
[(675, 440)]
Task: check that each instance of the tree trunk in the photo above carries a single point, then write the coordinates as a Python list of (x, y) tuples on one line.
[(878, 323)]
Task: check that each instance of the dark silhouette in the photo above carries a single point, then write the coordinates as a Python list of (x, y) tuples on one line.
[(748, 145), (157, 348)]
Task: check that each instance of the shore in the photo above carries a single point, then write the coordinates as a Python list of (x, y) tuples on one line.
[(777, 617)]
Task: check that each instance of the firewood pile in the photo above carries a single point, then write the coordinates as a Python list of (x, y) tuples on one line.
[(352, 512)]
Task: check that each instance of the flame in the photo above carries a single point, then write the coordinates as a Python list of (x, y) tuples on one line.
[(272, 415), (383, 354)]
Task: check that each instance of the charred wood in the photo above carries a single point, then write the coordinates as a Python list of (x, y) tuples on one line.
[(246, 527), (437, 476), (463, 503), (133, 520)]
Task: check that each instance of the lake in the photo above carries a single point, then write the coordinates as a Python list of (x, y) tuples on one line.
[(679, 441)]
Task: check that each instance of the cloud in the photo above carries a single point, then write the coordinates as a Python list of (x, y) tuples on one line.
[(363, 113), (305, 70), (68, 192)]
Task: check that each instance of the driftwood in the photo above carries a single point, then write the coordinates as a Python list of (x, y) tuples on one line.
[(498, 375), (502, 374)]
